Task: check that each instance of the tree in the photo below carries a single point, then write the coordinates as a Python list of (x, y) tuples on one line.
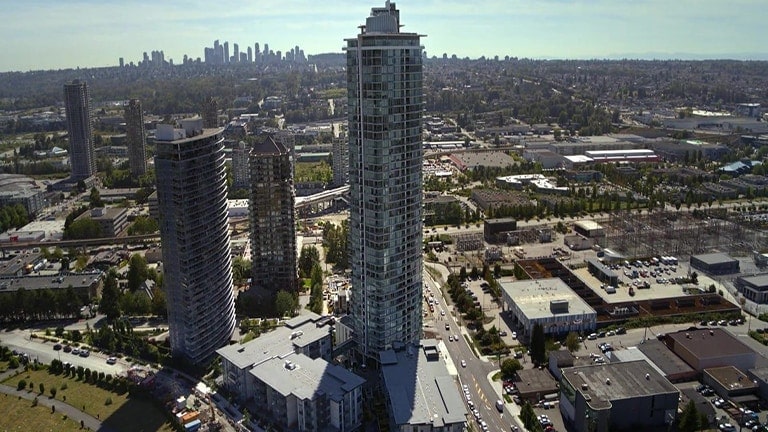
[(143, 225), (538, 345), (110, 297), (158, 305), (307, 259), (86, 228), (572, 342), (53, 392), (94, 199), (42, 388), (509, 368), (137, 272), (285, 303), (689, 420)]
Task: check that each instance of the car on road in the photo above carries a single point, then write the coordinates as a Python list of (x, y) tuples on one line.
[(442, 313), (463, 363), (447, 327), (111, 360), (450, 338), (57, 347)]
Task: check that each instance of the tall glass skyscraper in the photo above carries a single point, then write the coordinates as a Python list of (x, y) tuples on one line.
[(80, 130), (194, 228), (136, 138), (385, 103)]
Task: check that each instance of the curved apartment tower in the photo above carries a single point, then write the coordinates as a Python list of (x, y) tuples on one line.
[(197, 267), (385, 103)]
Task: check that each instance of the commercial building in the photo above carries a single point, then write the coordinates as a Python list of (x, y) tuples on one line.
[(273, 218), (86, 286), (617, 396), (549, 302), (80, 130), (284, 377), (136, 138), (192, 205), (754, 288), (671, 366), (621, 156), (385, 107), (589, 229), (534, 384), (602, 272), (709, 348), (421, 394), (495, 230), (715, 263), (113, 221), (731, 384)]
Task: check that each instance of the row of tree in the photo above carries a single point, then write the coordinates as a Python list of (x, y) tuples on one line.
[(44, 304), (335, 240), (13, 216)]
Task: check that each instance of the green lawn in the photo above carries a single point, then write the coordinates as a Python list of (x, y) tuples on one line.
[(124, 413), (19, 415)]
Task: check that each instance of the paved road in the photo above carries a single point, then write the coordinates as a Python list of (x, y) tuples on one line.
[(43, 352), (475, 374)]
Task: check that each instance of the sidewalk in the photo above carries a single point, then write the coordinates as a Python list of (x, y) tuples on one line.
[(511, 409)]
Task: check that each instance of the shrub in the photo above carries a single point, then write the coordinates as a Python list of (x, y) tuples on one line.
[(53, 392), (22, 385), (64, 386), (108, 401)]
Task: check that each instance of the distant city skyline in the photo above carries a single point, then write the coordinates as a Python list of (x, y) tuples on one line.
[(47, 34)]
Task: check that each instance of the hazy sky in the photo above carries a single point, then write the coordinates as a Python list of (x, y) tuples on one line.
[(45, 34)]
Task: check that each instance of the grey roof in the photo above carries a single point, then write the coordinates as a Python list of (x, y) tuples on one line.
[(758, 281), (268, 146), (602, 267), (710, 343), (277, 343), (420, 390), (306, 378), (614, 381), (29, 283), (714, 258), (667, 361)]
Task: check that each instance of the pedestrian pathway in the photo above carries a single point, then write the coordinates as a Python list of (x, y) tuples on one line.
[(62, 408)]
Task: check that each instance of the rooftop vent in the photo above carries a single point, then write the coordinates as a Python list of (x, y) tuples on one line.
[(608, 381), (648, 377), (584, 387), (290, 365)]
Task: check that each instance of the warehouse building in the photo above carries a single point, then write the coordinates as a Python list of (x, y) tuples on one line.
[(617, 396), (715, 263), (495, 230), (602, 272), (732, 384), (754, 288), (589, 229), (709, 348), (549, 302)]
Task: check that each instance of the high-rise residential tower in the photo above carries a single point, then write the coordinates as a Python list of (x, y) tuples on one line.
[(80, 129), (194, 228), (210, 113), (273, 218), (136, 138), (385, 103)]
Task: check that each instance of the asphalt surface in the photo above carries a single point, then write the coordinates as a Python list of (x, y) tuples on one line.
[(477, 371)]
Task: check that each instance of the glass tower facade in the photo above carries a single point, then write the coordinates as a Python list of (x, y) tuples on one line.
[(385, 103), (80, 129), (197, 267)]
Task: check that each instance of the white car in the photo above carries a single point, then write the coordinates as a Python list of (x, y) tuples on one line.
[(442, 313), (111, 360), (463, 364), (514, 335)]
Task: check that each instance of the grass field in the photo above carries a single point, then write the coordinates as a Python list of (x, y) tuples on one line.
[(124, 413), (19, 415)]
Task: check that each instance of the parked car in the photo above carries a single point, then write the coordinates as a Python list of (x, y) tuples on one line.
[(57, 347), (111, 360)]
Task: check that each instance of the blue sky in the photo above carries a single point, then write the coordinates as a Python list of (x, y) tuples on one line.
[(45, 34)]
